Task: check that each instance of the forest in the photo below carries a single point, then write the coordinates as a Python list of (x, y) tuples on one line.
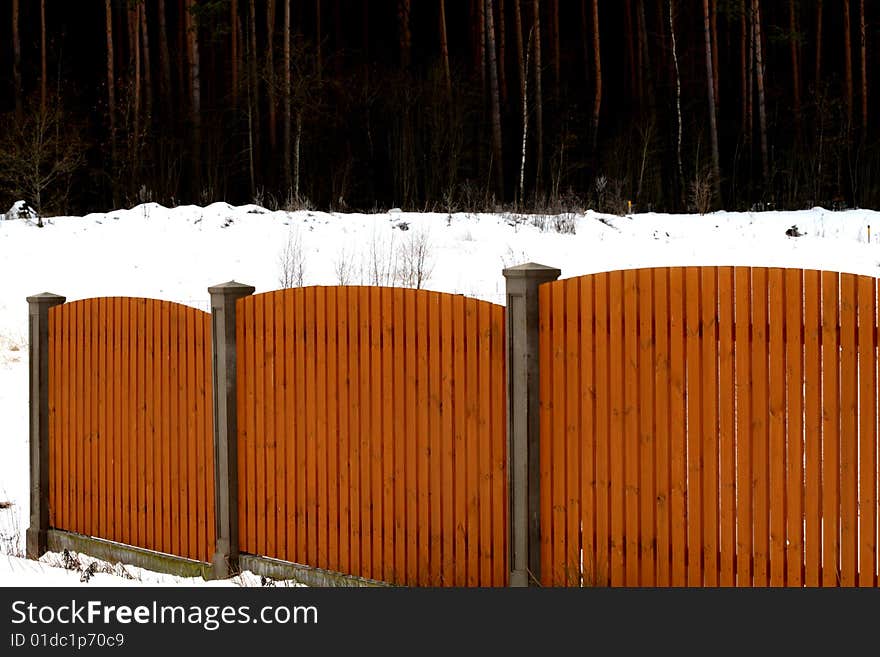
[(435, 105)]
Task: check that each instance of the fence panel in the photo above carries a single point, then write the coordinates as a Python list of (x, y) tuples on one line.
[(709, 426), (372, 428), (130, 419)]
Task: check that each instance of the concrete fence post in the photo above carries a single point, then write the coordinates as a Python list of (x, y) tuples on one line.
[(38, 353), (223, 352), (523, 409)]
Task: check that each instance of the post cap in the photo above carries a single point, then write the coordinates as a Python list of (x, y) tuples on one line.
[(231, 289), (533, 270), (47, 299)]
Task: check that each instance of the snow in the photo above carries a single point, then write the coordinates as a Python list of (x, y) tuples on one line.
[(177, 253)]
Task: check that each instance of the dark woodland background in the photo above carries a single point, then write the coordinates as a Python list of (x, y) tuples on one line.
[(544, 105)]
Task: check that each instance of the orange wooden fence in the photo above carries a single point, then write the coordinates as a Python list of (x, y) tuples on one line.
[(130, 424), (709, 426), (372, 433)]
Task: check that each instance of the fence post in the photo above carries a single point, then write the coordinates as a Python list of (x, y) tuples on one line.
[(223, 353), (523, 447), (38, 355)]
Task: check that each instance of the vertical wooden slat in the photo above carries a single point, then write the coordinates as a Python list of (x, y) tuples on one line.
[(498, 382), (191, 490), (248, 309), (794, 428), (631, 468), (743, 382), (204, 453), (449, 567), (593, 572), (311, 416), (149, 428), (830, 431), (603, 431), (662, 381), (434, 483), (760, 427), (574, 363), (867, 365), (778, 502), (617, 433), (647, 433), (267, 355), (471, 451), (332, 430), (322, 506), (694, 394), (422, 346), (301, 423), (94, 427), (849, 439), (183, 434), (279, 415), (85, 434), (460, 434), (126, 433), (160, 372), (813, 428), (345, 381), (258, 437), (409, 435), (141, 424), (169, 507), (553, 473), (726, 428), (402, 399), (355, 429), (710, 428)]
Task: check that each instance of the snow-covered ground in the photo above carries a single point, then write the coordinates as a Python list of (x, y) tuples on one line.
[(177, 253)]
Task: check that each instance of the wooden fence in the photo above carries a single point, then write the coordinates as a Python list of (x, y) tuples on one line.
[(130, 424), (372, 433), (709, 426)]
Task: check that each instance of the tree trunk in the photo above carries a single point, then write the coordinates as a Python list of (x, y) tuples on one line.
[(502, 54), (557, 65), (444, 50), (818, 45), (585, 43), (498, 161), (713, 17), (270, 72), (795, 66), (847, 61), (679, 168), (134, 27), (192, 30), (233, 35), (480, 31), (17, 89), (632, 83), (148, 74), (111, 84), (43, 82), (713, 111), (253, 86), (522, 67), (287, 99), (864, 62), (164, 59), (762, 109), (745, 78), (597, 58), (539, 100)]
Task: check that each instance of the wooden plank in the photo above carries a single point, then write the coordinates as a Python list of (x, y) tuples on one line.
[(743, 383), (434, 455), (794, 427), (142, 429), (777, 412), (460, 435), (694, 394), (830, 431), (345, 429), (332, 429), (499, 450), (849, 439), (376, 431), (279, 417), (356, 432), (258, 437), (149, 427), (662, 380), (553, 404), (406, 322), (573, 432), (423, 400), (471, 454), (631, 451), (311, 432), (710, 428), (726, 429), (268, 352), (303, 383), (646, 437), (592, 572), (204, 460), (760, 427), (868, 475), (85, 434), (603, 430), (168, 355), (677, 419), (448, 565), (126, 433), (617, 432), (105, 413), (812, 428), (192, 438), (287, 344), (400, 384), (321, 438), (248, 440), (94, 431), (183, 437)]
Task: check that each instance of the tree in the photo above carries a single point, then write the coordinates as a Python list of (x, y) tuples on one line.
[(287, 100), (270, 71), (759, 72), (498, 163), (864, 66), (17, 90), (713, 111), (795, 64), (597, 60), (43, 75), (444, 50), (679, 168), (539, 100), (111, 81)]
